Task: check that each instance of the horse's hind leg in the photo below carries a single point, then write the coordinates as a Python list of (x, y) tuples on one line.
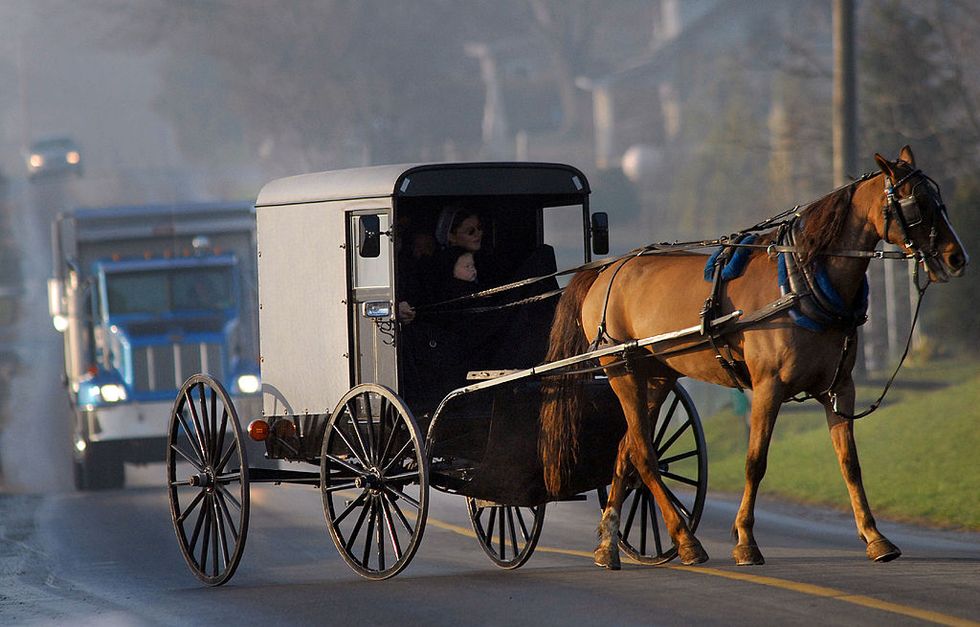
[(766, 399), (607, 552), (632, 393), (879, 548)]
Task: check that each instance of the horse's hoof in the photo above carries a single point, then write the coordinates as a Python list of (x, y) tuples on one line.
[(607, 558), (748, 555), (692, 553), (881, 550)]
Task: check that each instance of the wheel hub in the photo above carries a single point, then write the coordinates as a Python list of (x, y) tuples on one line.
[(372, 481), (203, 479)]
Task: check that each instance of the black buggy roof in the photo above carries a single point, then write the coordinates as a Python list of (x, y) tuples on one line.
[(427, 180)]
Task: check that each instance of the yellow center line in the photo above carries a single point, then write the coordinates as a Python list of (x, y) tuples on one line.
[(785, 584)]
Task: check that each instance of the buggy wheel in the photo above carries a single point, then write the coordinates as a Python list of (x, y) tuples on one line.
[(507, 533), (679, 441), (209, 506), (374, 481)]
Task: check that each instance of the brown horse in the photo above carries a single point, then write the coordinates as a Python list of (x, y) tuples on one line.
[(642, 296)]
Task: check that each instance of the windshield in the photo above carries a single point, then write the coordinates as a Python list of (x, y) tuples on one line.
[(162, 291)]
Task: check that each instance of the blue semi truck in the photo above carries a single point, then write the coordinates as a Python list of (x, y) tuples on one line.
[(146, 296)]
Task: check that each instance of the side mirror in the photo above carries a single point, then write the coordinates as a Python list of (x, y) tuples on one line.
[(600, 233), (369, 236)]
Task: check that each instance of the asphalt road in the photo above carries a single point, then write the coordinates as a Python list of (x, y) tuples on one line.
[(111, 559)]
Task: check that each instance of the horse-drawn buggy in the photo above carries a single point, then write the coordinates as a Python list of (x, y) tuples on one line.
[(390, 389), (383, 407)]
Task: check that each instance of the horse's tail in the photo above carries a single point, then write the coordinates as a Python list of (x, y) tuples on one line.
[(561, 396)]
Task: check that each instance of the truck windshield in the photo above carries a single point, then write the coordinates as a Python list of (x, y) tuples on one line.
[(162, 291)]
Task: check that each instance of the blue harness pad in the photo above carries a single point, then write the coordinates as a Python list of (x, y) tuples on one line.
[(735, 266), (830, 295)]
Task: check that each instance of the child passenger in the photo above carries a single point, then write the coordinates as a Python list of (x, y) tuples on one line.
[(460, 276)]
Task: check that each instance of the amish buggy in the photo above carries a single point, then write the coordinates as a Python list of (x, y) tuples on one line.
[(372, 402), (545, 402)]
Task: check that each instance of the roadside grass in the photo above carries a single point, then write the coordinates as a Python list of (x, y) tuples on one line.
[(920, 452)]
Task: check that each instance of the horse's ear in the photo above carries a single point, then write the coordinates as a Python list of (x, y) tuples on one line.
[(886, 166), (906, 155)]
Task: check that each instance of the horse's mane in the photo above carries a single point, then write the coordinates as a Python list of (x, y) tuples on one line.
[(822, 221)]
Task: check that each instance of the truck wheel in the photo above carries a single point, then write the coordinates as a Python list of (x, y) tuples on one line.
[(98, 469)]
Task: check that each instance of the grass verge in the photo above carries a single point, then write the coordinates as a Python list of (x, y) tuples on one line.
[(920, 452)]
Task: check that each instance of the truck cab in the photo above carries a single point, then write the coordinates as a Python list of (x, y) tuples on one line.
[(145, 297)]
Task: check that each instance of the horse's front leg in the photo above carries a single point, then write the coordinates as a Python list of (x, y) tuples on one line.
[(879, 548), (607, 552), (766, 399)]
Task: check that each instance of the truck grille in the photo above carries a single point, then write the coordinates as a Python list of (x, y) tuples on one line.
[(165, 367)]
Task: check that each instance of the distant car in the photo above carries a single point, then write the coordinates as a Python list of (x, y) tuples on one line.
[(59, 155)]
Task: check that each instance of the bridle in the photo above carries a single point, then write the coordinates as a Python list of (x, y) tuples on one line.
[(908, 213)]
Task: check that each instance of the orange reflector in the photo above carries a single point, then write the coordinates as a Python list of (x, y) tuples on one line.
[(258, 430)]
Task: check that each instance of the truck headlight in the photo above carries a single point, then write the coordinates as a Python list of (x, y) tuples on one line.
[(112, 392), (248, 384)]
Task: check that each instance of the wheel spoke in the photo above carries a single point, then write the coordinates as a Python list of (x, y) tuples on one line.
[(214, 540), (205, 421), (206, 536), (405, 477), (228, 495), (644, 511), (398, 493), (350, 507), (396, 457), (380, 534), (512, 528), (203, 452), (225, 459), (371, 450), (390, 526), (197, 529), (677, 502), (187, 433), (221, 533), (352, 416), (666, 422), (369, 536), (357, 471), (357, 526), (655, 526), (224, 507), (632, 514), (673, 438), (193, 463), (190, 507), (677, 458), (341, 486), (391, 438), (401, 516), (220, 446), (679, 478), (493, 519), (520, 520), (214, 420), (350, 448)]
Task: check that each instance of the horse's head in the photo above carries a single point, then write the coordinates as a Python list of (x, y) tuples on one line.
[(914, 217)]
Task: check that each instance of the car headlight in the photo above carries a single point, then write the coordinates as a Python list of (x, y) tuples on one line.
[(248, 384), (36, 161), (73, 157), (112, 392)]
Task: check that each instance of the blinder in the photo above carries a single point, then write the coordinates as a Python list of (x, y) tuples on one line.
[(909, 212)]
